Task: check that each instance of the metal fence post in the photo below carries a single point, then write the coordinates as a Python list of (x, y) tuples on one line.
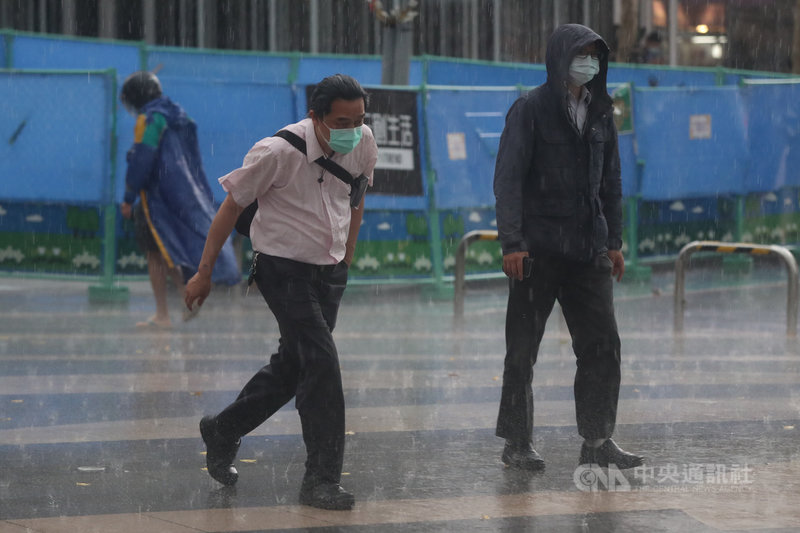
[(459, 284), (740, 248)]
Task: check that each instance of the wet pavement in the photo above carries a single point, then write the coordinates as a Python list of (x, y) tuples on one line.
[(98, 420)]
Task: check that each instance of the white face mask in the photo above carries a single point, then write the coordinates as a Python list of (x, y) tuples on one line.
[(583, 69)]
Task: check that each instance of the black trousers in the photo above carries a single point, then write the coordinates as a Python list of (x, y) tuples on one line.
[(305, 301), (585, 293)]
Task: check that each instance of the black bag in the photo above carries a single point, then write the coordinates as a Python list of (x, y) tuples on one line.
[(357, 185), (246, 218)]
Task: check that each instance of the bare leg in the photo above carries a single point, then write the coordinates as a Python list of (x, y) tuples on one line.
[(157, 268), (177, 279)]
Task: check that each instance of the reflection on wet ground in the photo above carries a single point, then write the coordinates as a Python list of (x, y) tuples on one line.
[(98, 420)]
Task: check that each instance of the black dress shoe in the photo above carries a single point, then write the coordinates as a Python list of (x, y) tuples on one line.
[(220, 452), (329, 496), (609, 453), (522, 456)]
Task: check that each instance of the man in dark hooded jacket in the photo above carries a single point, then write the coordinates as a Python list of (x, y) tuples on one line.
[(175, 204), (559, 218)]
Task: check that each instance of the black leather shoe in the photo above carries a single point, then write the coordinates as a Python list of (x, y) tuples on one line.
[(220, 452), (523, 457), (609, 453), (329, 496)]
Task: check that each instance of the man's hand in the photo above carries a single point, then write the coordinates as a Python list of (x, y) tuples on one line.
[(126, 210), (350, 251), (197, 289), (512, 265), (618, 264)]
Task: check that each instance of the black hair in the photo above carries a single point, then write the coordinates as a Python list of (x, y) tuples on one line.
[(332, 88), (139, 88)]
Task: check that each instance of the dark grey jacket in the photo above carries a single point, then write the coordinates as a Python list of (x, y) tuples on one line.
[(559, 192)]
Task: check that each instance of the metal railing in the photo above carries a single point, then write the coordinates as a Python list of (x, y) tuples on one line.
[(739, 248), (460, 267)]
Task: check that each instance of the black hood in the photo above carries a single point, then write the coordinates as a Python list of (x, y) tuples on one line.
[(563, 45)]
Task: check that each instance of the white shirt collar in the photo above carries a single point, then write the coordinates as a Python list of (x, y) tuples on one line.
[(313, 149), (585, 97)]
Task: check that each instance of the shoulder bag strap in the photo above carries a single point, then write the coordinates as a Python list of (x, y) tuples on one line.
[(326, 163)]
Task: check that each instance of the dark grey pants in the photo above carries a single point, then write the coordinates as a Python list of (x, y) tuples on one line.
[(585, 293), (305, 301)]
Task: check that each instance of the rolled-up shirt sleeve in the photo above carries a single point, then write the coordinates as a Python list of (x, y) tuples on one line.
[(257, 174)]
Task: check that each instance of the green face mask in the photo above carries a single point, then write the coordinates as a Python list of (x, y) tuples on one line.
[(344, 140)]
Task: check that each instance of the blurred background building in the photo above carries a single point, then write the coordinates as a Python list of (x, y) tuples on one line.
[(745, 34)]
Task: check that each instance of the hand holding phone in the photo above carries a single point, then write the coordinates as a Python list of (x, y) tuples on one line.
[(527, 266)]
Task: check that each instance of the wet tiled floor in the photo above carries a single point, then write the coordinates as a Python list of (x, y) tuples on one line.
[(98, 420)]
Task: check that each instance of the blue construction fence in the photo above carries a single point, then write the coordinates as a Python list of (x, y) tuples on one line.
[(706, 153)]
